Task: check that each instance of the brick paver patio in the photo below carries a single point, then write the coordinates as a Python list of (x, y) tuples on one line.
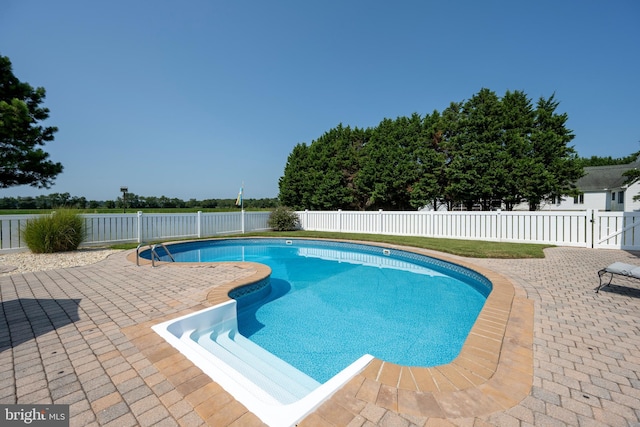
[(80, 336)]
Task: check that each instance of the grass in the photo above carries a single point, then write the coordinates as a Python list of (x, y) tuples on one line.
[(465, 248)]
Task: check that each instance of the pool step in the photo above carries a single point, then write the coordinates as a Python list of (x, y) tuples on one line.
[(306, 382), (270, 373), (267, 363)]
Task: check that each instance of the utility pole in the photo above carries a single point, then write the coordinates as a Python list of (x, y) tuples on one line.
[(124, 198)]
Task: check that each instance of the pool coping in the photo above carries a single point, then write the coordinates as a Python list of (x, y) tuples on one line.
[(493, 372)]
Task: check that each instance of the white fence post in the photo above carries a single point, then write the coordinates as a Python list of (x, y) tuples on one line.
[(380, 221), (589, 221), (199, 224), (139, 220)]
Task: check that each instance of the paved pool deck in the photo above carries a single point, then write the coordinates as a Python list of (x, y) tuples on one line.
[(548, 351)]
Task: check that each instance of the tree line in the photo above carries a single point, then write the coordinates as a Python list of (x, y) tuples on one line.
[(484, 152), (609, 161), (133, 201)]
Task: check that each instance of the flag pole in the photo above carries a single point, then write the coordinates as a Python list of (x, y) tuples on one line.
[(240, 201), (242, 205)]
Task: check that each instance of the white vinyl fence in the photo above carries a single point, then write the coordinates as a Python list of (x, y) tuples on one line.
[(617, 230), (138, 227), (588, 229)]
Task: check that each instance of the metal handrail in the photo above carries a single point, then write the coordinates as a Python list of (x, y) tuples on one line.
[(154, 254), (138, 252)]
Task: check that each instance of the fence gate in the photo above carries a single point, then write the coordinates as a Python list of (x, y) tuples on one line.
[(616, 230)]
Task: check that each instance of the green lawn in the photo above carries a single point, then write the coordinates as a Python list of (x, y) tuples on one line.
[(466, 248)]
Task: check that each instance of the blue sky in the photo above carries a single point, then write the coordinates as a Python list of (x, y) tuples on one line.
[(191, 99)]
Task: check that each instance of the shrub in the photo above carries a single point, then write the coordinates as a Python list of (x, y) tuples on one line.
[(283, 219), (61, 231)]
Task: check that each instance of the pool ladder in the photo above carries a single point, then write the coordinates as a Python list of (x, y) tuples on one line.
[(154, 254)]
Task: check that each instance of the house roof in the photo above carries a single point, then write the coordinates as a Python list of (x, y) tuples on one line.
[(604, 177)]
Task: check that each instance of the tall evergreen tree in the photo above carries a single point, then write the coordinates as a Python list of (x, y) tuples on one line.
[(331, 161), (515, 160), (294, 184), (482, 151), (351, 167), (474, 172), (429, 157), (555, 166), (389, 165), (324, 174), (447, 137), (22, 160)]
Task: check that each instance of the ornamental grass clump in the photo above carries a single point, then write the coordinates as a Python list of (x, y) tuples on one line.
[(283, 219), (61, 231)]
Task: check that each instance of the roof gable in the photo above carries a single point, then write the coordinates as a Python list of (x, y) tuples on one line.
[(604, 177)]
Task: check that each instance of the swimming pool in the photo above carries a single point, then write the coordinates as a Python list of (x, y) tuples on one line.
[(327, 309)]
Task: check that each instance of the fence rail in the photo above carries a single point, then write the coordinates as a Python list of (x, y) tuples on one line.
[(589, 229), (617, 230), (140, 227)]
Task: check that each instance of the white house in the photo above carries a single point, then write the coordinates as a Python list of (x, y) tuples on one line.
[(602, 188)]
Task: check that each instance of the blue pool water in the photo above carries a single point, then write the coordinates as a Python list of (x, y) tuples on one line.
[(330, 302)]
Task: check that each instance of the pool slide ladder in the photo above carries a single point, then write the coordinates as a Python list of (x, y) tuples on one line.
[(154, 253)]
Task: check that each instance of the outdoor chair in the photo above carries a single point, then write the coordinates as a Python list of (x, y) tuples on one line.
[(620, 268)]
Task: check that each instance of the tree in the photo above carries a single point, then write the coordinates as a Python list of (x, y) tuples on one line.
[(555, 166), (475, 170), (632, 176), (445, 135), (59, 200), (294, 188), (607, 161), (388, 172), (22, 160), (430, 161), (487, 151), (518, 118), (332, 164), (8, 203), (324, 174)]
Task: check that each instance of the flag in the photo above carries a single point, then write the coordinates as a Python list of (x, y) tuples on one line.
[(239, 199)]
